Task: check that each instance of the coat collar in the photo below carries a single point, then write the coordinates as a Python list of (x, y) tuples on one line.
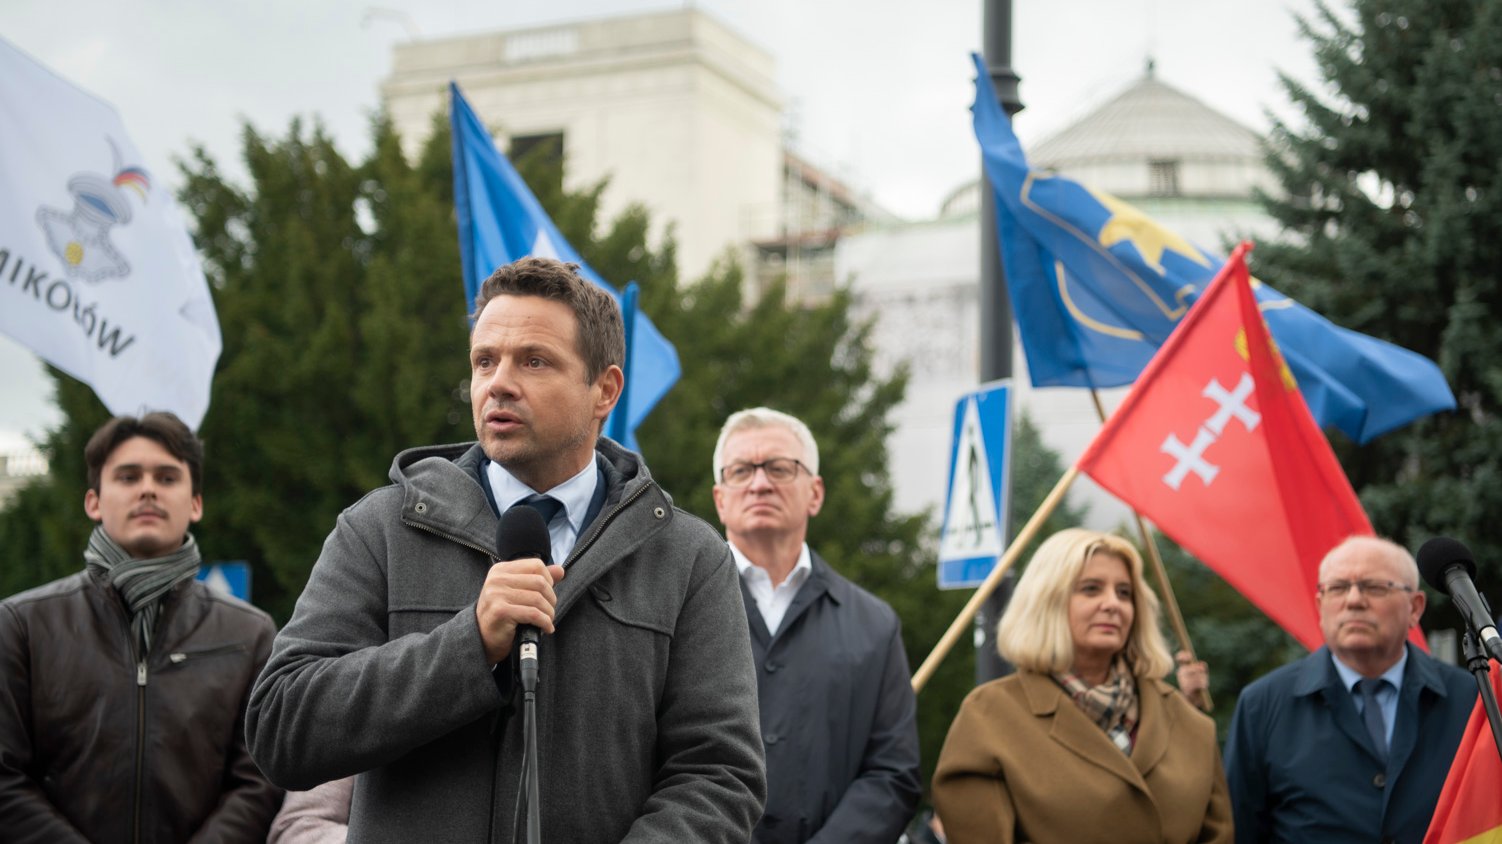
[(1316, 673), (1076, 732), (1317, 677), (441, 494), (823, 582)]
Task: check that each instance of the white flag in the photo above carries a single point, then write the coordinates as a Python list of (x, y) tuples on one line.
[(97, 273)]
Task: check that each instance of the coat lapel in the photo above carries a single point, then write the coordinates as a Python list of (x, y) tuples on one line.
[(1418, 675), (814, 588), (1154, 725), (753, 617), (1076, 732), (1318, 676)]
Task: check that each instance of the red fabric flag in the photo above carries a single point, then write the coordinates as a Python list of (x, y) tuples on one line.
[(1470, 806), (1216, 446)]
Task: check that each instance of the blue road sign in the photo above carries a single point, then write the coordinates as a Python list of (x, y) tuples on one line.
[(230, 578), (973, 534)]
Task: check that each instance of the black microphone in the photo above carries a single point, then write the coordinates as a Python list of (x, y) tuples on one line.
[(521, 534), (1447, 566)]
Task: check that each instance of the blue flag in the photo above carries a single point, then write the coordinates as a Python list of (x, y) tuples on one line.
[(1097, 286), (500, 221)]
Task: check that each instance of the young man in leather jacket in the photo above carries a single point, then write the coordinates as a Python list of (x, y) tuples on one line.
[(123, 687)]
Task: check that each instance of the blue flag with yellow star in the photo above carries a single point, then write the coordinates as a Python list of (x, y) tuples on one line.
[(501, 221), (1097, 287)]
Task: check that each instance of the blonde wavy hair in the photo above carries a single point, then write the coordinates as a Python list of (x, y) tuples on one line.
[(1034, 632)]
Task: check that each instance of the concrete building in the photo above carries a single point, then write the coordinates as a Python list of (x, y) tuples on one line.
[(816, 211), (680, 114), (19, 467), (1173, 157)]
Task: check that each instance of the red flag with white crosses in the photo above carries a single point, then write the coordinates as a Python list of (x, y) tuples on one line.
[(1215, 445)]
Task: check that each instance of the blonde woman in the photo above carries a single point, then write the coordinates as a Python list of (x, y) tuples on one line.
[(1086, 742)]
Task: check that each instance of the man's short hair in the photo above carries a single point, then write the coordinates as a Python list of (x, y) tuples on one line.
[(1392, 550), (602, 336), (1034, 632), (765, 417), (162, 427)]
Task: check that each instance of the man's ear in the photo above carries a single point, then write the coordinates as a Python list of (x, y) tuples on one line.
[(91, 506), (816, 502), (718, 494), (609, 384)]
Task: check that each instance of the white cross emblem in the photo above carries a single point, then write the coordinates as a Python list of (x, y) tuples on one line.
[(1232, 404), (1190, 459)]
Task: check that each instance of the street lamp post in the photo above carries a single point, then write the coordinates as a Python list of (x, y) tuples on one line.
[(995, 306)]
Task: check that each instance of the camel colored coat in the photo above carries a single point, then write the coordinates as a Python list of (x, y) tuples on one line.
[(1023, 763)]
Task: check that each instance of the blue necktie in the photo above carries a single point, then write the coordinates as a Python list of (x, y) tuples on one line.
[(1371, 713), (547, 505)]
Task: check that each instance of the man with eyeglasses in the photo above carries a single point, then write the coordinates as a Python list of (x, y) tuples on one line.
[(838, 716), (1353, 742)]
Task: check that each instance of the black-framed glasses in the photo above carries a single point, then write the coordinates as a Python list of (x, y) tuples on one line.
[(780, 470), (1371, 588)]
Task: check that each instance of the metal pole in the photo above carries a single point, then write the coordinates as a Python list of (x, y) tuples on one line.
[(995, 307)]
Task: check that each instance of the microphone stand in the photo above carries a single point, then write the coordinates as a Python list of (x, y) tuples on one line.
[(530, 774), (1480, 665)]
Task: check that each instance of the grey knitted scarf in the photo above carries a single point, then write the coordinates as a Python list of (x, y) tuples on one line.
[(141, 583)]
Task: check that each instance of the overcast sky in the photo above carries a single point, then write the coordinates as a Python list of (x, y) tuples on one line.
[(878, 90)]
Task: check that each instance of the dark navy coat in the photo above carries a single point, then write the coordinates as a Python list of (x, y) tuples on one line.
[(838, 716), (1301, 766)]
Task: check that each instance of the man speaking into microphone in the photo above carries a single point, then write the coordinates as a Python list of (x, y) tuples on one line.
[(399, 662)]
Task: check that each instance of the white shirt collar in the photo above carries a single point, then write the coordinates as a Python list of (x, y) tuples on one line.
[(801, 570), (575, 494), (1349, 676)]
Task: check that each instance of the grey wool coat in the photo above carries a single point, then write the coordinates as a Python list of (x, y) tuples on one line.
[(647, 715)]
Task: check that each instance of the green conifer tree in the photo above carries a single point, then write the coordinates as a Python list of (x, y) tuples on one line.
[(1392, 197)]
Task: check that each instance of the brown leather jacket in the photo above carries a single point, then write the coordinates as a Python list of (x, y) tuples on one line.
[(97, 745)]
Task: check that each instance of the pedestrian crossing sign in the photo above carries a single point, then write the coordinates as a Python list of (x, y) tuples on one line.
[(973, 534)]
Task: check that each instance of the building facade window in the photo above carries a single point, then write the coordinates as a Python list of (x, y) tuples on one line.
[(1163, 177), (545, 149)]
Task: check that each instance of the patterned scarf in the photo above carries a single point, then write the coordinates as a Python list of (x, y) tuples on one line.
[(1112, 705), (141, 583)]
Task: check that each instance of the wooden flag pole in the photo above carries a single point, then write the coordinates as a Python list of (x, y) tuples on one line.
[(1175, 616), (926, 671)]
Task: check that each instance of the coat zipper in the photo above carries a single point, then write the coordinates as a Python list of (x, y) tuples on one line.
[(599, 526), (454, 539), (140, 741), (141, 675), (141, 680)]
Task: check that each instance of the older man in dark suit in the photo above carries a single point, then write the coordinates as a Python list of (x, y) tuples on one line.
[(1353, 742), (838, 716)]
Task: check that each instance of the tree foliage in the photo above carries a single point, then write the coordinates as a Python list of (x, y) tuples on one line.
[(1392, 195), (339, 298), (43, 529), (344, 340)]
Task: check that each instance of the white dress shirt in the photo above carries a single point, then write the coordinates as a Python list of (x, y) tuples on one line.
[(574, 494), (773, 601)]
